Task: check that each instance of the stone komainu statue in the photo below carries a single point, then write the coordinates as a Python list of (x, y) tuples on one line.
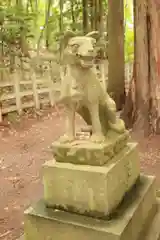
[(81, 90)]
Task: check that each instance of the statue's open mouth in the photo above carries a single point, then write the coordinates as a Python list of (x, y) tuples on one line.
[(86, 61)]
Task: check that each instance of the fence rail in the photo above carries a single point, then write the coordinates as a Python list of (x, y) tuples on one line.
[(34, 90), (12, 100)]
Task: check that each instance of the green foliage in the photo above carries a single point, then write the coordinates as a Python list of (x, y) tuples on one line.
[(129, 32), (129, 45), (23, 20), (16, 30)]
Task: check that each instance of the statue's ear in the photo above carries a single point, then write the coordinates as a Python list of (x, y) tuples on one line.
[(93, 34), (66, 37)]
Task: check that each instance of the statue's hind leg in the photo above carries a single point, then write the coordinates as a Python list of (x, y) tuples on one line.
[(97, 134)]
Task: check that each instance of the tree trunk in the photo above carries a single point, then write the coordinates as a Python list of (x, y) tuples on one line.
[(96, 15), (128, 113), (154, 67), (85, 16), (101, 29), (93, 18), (147, 68), (116, 84), (19, 4), (142, 69), (73, 16), (61, 16), (48, 9), (61, 26)]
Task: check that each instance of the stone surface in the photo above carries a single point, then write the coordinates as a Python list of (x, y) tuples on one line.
[(152, 230), (91, 190), (139, 205), (87, 152), (82, 91)]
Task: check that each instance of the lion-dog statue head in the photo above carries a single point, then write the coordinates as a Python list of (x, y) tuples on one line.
[(82, 50)]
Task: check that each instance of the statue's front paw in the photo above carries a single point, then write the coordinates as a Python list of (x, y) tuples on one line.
[(66, 138), (119, 126), (97, 138)]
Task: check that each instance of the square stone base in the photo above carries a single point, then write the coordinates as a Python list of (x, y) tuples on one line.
[(138, 207), (91, 190), (86, 152)]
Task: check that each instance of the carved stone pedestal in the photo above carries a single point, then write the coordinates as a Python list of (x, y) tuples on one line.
[(85, 152), (90, 202), (91, 190), (132, 216)]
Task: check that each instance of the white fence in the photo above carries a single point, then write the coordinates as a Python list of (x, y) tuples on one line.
[(17, 94)]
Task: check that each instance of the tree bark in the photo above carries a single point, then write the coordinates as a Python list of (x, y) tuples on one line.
[(93, 18), (61, 25), (85, 16), (128, 112), (116, 84), (48, 10), (61, 16), (142, 69), (98, 15), (73, 16), (101, 14), (147, 68), (154, 61)]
